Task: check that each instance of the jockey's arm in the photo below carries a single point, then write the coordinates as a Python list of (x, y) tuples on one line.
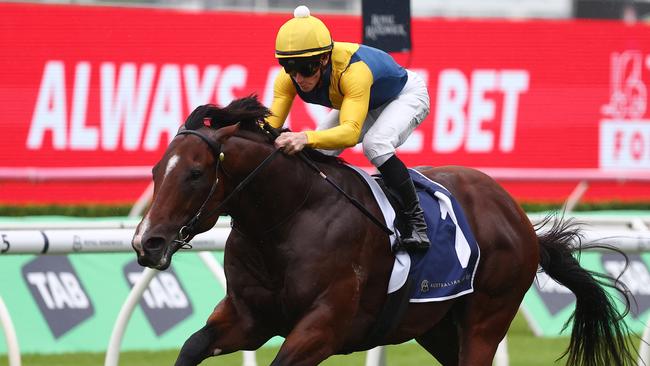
[(355, 86), (283, 94)]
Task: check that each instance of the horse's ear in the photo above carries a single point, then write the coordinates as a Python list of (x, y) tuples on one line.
[(222, 134)]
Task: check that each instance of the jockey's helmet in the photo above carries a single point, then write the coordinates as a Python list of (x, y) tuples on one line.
[(302, 36)]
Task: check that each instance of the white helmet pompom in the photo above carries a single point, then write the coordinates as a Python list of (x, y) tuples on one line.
[(301, 12)]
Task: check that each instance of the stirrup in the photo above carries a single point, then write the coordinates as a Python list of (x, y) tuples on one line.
[(411, 246), (416, 245)]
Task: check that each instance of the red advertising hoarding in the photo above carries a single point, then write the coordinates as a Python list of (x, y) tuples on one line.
[(94, 87)]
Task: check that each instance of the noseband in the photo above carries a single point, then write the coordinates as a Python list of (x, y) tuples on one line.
[(187, 230)]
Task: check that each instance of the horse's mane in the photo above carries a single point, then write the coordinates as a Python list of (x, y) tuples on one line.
[(249, 113)]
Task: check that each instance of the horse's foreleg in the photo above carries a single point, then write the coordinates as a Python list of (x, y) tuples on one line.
[(312, 340), (321, 332), (227, 330), (197, 347)]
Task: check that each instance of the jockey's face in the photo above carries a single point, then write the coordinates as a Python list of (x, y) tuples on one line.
[(306, 74), (307, 83)]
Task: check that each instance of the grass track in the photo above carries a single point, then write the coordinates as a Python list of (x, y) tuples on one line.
[(524, 350)]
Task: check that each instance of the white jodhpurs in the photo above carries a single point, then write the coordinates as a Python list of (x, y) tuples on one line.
[(389, 125)]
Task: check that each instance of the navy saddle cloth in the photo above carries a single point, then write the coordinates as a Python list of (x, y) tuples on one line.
[(446, 270)]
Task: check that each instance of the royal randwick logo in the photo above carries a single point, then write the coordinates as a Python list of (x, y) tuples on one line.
[(624, 132)]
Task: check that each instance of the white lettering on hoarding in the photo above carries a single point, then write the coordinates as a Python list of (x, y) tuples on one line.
[(382, 25), (82, 137), (512, 83), (141, 106), (123, 104), (38, 279), (625, 144), (234, 77), (164, 291), (127, 92), (74, 291), (50, 110), (628, 94), (462, 109), (449, 122), (624, 133), (59, 290), (200, 91), (166, 113), (480, 110)]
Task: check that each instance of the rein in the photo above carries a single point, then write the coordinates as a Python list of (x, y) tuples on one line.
[(351, 199), (188, 229)]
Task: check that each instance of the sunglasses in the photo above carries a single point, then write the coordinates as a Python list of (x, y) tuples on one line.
[(304, 68)]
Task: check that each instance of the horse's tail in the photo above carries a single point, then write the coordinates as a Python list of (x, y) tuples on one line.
[(598, 336)]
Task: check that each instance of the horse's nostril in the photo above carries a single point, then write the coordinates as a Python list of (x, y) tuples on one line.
[(154, 243)]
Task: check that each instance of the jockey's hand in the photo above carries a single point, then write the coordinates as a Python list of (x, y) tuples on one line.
[(291, 142)]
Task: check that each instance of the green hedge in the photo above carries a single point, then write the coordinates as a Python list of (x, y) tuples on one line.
[(600, 206), (123, 210), (67, 210)]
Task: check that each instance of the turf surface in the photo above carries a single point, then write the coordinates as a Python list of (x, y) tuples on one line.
[(524, 349)]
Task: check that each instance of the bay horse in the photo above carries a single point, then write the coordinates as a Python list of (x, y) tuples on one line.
[(303, 263)]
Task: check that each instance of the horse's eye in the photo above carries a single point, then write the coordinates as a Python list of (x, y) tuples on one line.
[(195, 174)]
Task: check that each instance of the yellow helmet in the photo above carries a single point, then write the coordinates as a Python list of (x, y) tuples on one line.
[(302, 36)]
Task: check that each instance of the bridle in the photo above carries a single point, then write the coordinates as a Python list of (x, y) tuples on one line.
[(187, 230)]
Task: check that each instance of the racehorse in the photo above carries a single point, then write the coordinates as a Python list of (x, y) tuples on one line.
[(303, 263)]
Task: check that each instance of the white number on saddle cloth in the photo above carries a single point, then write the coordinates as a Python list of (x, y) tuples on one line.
[(463, 250)]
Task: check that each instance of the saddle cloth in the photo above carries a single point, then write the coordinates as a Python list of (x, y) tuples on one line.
[(447, 269)]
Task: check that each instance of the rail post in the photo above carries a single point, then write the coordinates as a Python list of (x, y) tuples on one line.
[(13, 351)]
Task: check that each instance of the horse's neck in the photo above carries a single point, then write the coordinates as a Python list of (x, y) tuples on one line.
[(273, 196)]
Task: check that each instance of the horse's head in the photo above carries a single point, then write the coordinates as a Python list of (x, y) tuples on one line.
[(187, 181)]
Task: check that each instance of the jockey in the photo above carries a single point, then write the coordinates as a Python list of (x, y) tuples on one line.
[(374, 101)]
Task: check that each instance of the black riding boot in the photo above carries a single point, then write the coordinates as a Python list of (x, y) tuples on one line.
[(414, 231)]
